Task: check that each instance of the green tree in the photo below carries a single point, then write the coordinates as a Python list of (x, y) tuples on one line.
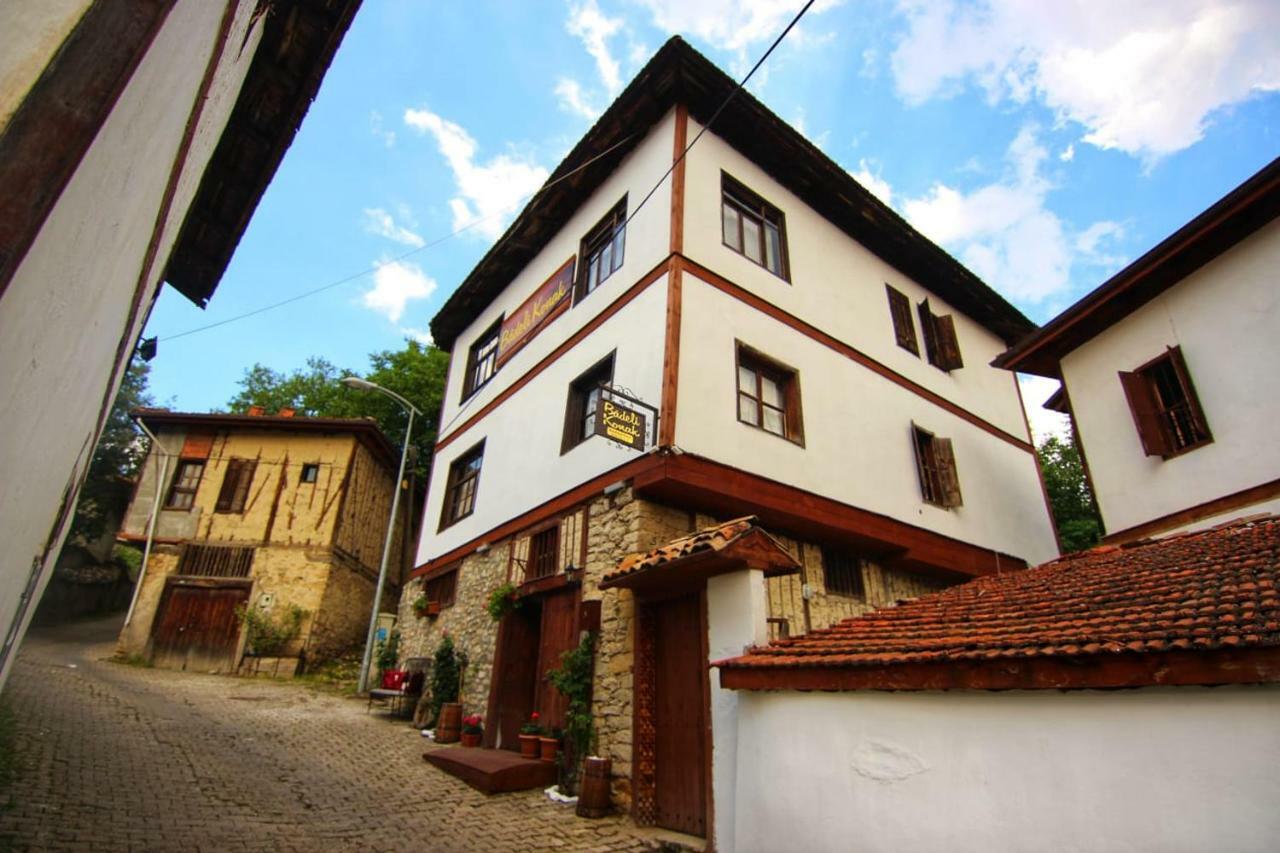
[(416, 372), (1073, 508)]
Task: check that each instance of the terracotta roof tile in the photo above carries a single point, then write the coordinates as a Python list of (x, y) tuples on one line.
[(1210, 589), (714, 538)]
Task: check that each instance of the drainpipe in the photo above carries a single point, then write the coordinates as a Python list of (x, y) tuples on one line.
[(151, 523)]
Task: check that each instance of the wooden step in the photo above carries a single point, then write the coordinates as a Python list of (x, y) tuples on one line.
[(493, 771)]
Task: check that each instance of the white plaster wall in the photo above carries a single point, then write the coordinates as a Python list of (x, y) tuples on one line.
[(647, 242), (66, 310), (30, 35), (857, 432), (1156, 769), (1225, 317), (837, 285), (522, 463)]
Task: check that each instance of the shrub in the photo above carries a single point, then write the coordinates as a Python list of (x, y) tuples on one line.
[(573, 680), (446, 676), (268, 632), (502, 601)]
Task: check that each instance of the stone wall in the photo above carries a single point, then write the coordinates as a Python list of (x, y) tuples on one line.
[(160, 564), (342, 622)]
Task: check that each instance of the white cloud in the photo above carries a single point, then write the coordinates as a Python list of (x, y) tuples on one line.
[(422, 336), (873, 183), (1143, 76), (395, 284), (589, 24), (730, 24), (1068, 154), (388, 137), (1044, 423), (378, 221), (489, 194), (569, 93)]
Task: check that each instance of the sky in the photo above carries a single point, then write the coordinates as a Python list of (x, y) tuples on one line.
[(1044, 145)]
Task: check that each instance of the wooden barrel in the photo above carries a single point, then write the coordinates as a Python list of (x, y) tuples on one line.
[(449, 726), (593, 794)]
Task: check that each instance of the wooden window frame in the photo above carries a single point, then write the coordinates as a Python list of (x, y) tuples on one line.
[(1166, 427), (312, 468), (443, 588), (459, 477), (749, 204), (837, 562), (234, 493), (942, 348), (543, 559), (476, 362), (575, 411), (609, 233), (176, 486), (936, 469), (785, 377), (904, 327)]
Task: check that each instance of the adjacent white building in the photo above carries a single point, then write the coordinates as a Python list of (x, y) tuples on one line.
[(135, 141), (1168, 372)]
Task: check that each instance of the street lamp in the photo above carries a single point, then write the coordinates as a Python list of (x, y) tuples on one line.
[(365, 385)]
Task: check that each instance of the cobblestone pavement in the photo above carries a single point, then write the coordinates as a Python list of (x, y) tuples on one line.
[(113, 757)]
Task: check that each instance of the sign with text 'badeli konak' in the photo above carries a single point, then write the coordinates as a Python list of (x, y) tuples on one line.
[(547, 303), (621, 424)]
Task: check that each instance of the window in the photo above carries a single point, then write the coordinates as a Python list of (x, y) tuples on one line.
[(214, 561), (235, 485), (544, 553), (940, 344), (602, 250), (460, 491), (842, 573), (768, 395), (753, 227), (186, 479), (442, 588), (310, 472), (904, 328), (584, 398), (1165, 408), (482, 361), (936, 465)]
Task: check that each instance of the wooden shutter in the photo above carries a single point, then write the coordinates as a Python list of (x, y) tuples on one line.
[(921, 473), (1146, 414), (948, 347), (1189, 393), (945, 458), (930, 333), (903, 327), (235, 485)]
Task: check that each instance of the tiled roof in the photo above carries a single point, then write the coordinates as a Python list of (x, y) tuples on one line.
[(1207, 590), (715, 538)]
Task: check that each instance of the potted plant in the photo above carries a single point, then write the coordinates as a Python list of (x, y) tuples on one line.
[(549, 745), (424, 607), (472, 730), (502, 601), (529, 734)]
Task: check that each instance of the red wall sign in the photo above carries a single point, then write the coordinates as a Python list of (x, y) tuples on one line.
[(548, 302)]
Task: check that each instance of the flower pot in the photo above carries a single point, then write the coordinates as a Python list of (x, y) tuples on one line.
[(528, 746), (433, 608), (547, 748), (471, 738), (450, 723), (593, 793)]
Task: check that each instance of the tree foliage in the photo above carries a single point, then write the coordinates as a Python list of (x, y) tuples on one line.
[(415, 372), (1073, 508)]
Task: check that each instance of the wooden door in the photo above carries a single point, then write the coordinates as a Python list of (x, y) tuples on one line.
[(680, 721), (196, 627), (559, 634), (515, 675)]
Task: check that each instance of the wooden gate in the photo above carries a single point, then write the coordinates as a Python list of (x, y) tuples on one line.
[(515, 672), (196, 627), (559, 634)]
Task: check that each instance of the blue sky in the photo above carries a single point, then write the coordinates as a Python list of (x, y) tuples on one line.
[(1044, 145)]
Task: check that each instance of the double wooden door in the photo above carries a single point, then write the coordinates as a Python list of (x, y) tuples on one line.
[(531, 641), (196, 626)]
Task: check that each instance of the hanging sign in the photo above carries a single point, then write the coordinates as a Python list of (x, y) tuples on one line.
[(548, 302), (621, 424)]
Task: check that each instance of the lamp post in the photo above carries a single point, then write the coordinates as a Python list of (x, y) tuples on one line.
[(365, 385)]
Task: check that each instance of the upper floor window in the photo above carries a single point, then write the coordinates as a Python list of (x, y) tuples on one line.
[(310, 472), (602, 249), (544, 553), (842, 573), (940, 344), (584, 399), (769, 395), (482, 361), (460, 489), (186, 479), (753, 227), (442, 589), (1165, 408), (904, 329), (235, 485), (936, 466)]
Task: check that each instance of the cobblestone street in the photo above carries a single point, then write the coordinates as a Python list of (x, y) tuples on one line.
[(113, 757)]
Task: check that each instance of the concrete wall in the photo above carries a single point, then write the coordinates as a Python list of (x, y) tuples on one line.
[(33, 32), (79, 298), (1225, 317), (1155, 769)]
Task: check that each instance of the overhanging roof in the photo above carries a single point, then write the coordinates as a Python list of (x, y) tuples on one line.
[(679, 74), (1231, 219)]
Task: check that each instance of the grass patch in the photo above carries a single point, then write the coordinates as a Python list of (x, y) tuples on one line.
[(132, 659), (341, 676)]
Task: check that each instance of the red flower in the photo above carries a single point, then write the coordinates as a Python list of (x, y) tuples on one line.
[(535, 717)]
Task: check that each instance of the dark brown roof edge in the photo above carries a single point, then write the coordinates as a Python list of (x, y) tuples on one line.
[(1228, 221)]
